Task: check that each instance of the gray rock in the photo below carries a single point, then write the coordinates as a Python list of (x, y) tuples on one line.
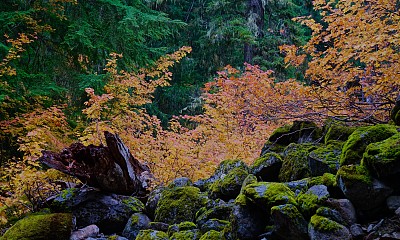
[(397, 212), (193, 234), (289, 223), (247, 223), (218, 212), (321, 191), (331, 214), (357, 231), (214, 224), (136, 222), (180, 182), (83, 233), (364, 194), (159, 226), (325, 159), (109, 212), (152, 201), (267, 167), (393, 202), (298, 185), (327, 229), (345, 208), (152, 235)]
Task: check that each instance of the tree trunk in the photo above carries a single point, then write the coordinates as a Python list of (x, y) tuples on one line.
[(111, 168), (255, 19)]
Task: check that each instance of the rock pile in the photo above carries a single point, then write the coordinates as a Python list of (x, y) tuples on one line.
[(338, 182)]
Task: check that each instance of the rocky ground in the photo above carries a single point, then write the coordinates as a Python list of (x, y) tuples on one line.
[(335, 182)]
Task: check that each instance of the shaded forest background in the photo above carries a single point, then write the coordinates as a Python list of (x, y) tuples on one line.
[(186, 84)]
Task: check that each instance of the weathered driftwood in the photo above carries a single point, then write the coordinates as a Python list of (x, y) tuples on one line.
[(111, 168)]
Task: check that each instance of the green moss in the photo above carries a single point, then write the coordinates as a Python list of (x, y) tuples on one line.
[(150, 234), (212, 235), (308, 203), (289, 210), (64, 199), (186, 235), (324, 224), (134, 204), (382, 158), (266, 157), (279, 133), (357, 142), (268, 195), (328, 179), (329, 154), (227, 165), (241, 199), (295, 162), (229, 186), (113, 237), (183, 226), (55, 226), (354, 173), (178, 205), (338, 131)]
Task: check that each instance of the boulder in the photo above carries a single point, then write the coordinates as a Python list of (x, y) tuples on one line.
[(363, 191), (180, 182), (354, 147), (266, 195), (84, 233), (194, 234), (183, 226), (267, 167), (325, 159), (136, 222), (109, 212), (393, 203), (212, 235), (229, 185), (152, 201), (152, 235), (247, 223), (295, 162), (289, 223), (223, 169), (214, 216), (178, 205), (345, 208), (327, 229), (332, 214), (311, 200), (57, 226), (337, 131), (383, 160), (298, 132)]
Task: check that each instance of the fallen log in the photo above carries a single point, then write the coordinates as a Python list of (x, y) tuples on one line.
[(111, 168)]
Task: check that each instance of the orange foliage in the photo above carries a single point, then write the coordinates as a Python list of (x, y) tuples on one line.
[(355, 60)]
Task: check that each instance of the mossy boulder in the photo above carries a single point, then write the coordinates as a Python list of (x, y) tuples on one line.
[(295, 162), (325, 159), (183, 226), (337, 131), (289, 223), (267, 167), (324, 228), (212, 235), (310, 201), (178, 205), (57, 226), (269, 194), (136, 222), (360, 188), (221, 212), (152, 235), (186, 235), (298, 132), (395, 113), (383, 158), (229, 185), (354, 147), (222, 170)]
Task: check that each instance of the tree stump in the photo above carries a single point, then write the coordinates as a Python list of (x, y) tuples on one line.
[(112, 168)]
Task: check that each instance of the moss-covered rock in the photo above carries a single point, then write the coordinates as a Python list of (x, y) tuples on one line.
[(212, 235), (328, 179), (325, 159), (178, 205), (289, 223), (337, 131), (363, 191), (267, 195), (298, 132), (183, 226), (228, 186), (308, 203), (324, 224), (186, 235), (152, 235), (383, 158), (295, 162), (267, 167), (353, 149), (57, 226), (223, 169), (221, 212)]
